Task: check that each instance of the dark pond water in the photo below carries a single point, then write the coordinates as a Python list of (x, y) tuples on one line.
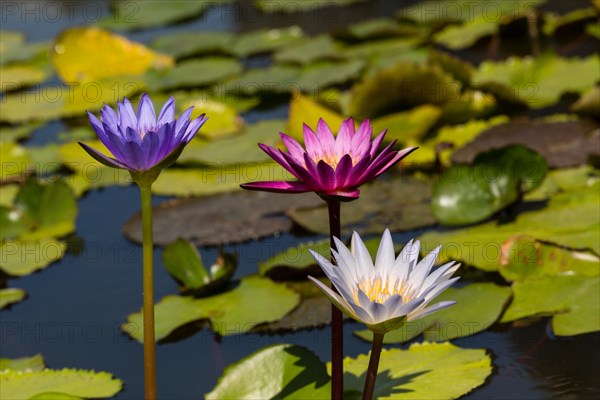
[(75, 307)]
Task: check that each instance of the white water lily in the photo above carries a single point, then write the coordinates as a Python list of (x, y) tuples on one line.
[(392, 291)]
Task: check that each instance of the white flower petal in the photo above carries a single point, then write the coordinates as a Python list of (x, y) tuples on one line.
[(364, 263), (403, 264), (335, 298), (345, 255), (385, 254), (426, 311), (407, 308), (437, 275), (422, 269)]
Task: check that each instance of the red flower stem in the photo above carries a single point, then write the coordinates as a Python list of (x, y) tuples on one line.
[(373, 367), (337, 330), (148, 294)]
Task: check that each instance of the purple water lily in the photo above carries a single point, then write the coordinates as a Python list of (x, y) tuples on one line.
[(332, 167), (141, 142)]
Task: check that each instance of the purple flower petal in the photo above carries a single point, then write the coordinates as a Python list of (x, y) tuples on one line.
[(326, 176), (277, 155), (278, 186), (193, 128), (376, 143), (127, 117), (361, 142), (146, 115), (150, 149), (101, 158), (293, 147), (133, 153), (343, 142), (167, 114), (311, 143), (325, 137), (183, 121), (342, 171)]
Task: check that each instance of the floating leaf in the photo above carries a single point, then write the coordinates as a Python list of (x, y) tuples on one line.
[(380, 28), (16, 133), (456, 37), (375, 49), (268, 81), (578, 140), (19, 258), (224, 118), (263, 41), (68, 382), (403, 85), (316, 48), (15, 77), (478, 306), (57, 101), (295, 259), (539, 81), (408, 125), (523, 258), (33, 363), (553, 21), (239, 149), (23, 52), (9, 296), (182, 260), (254, 301), (137, 14), (588, 103), (324, 74), (423, 371), (281, 371), (258, 214), (8, 194), (459, 69), (193, 73), (15, 161), (305, 111), (293, 6), (113, 55), (399, 204), (569, 298), (187, 44)]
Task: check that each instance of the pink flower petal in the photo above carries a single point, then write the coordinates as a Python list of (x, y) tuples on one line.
[(278, 186)]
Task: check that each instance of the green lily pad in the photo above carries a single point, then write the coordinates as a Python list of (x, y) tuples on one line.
[(16, 133), (323, 74), (275, 79), (570, 219), (55, 101), (305, 111), (24, 52), (570, 299), (8, 194), (9, 296), (33, 363), (398, 204), (403, 85), (593, 30), (316, 48), (193, 73), (523, 258), (588, 103), (239, 149), (468, 194), (256, 300), (138, 15), (187, 44), (68, 382), (539, 82), (384, 48), (264, 41), (471, 105), (380, 28), (281, 371), (459, 69), (21, 258), (407, 126), (423, 371), (478, 306), (15, 161), (456, 37), (182, 260), (15, 77), (553, 21), (224, 118), (293, 6)]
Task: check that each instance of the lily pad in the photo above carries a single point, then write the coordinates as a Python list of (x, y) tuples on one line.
[(380, 28), (193, 73), (7, 297), (407, 126), (224, 118), (266, 40), (138, 15), (456, 37), (478, 306), (281, 371), (268, 81), (239, 149), (15, 161), (401, 86), (553, 21), (8, 194), (16, 133), (588, 103), (187, 44), (21, 258), (256, 300), (229, 218), (316, 48), (33, 363), (569, 298), (539, 82), (15, 77), (319, 75), (423, 371), (68, 382), (296, 258), (113, 55), (293, 6), (182, 260), (398, 204), (23, 52)]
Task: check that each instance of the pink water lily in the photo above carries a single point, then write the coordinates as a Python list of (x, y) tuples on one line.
[(332, 167)]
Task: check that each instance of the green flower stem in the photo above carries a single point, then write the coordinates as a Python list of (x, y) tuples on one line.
[(148, 290), (337, 329), (373, 366)]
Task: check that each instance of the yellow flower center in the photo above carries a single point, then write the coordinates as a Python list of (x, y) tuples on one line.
[(379, 290)]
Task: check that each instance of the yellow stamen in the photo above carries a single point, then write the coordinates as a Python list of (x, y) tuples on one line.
[(380, 290)]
